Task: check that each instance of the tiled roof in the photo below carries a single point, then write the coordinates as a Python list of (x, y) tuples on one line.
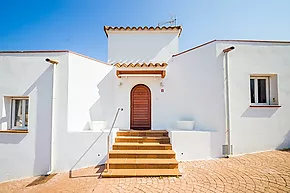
[(126, 65), (145, 28)]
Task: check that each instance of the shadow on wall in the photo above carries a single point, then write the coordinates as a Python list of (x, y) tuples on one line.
[(43, 86), (263, 112), (12, 138), (286, 143), (5, 120), (81, 157), (164, 52), (104, 108)]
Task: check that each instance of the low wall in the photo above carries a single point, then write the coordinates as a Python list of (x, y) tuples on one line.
[(194, 145), (81, 149)]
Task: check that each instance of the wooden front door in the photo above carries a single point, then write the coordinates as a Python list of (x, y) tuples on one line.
[(140, 107)]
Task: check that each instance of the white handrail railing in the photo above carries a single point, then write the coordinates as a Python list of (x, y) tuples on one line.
[(108, 142)]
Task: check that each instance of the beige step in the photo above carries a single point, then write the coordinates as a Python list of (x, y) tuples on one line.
[(160, 154), (131, 163), (150, 133), (134, 139), (141, 146), (140, 173)]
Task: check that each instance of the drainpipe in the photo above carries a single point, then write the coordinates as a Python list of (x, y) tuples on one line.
[(53, 62), (228, 150)]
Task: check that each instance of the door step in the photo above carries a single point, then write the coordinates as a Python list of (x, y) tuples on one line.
[(142, 139), (143, 163), (115, 173), (141, 146), (142, 154), (150, 133), (161, 154)]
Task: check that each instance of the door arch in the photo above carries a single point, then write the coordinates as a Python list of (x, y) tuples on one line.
[(140, 111)]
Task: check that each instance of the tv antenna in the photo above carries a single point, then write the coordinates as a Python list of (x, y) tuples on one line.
[(171, 22)]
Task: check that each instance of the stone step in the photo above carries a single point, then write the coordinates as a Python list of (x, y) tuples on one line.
[(137, 139), (138, 153), (120, 163), (150, 133), (141, 146), (114, 173), (153, 154)]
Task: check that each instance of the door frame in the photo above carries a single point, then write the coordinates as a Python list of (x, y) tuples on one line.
[(131, 106)]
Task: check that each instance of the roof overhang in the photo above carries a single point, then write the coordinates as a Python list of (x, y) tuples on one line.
[(141, 73), (141, 65), (145, 28), (234, 41)]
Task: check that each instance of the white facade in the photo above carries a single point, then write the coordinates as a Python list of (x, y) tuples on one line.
[(144, 46), (72, 145), (258, 128), (66, 99), (26, 154)]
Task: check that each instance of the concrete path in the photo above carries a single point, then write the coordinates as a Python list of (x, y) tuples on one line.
[(260, 172)]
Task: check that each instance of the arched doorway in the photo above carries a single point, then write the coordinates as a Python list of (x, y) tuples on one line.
[(140, 113)]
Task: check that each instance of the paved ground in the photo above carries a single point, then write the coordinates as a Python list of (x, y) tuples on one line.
[(260, 172)]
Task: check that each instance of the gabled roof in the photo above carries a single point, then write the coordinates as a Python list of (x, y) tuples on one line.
[(144, 28), (239, 41)]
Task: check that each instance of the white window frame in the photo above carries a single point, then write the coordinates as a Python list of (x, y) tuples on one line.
[(12, 121), (256, 78)]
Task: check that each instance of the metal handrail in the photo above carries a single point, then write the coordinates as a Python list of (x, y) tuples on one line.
[(108, 142)]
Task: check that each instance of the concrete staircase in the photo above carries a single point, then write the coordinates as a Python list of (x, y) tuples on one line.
[(142, 153)]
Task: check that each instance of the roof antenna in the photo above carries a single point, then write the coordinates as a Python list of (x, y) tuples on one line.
[(171, 22)]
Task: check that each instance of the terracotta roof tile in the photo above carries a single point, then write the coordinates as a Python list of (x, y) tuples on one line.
[(144, 28), (146, 65)]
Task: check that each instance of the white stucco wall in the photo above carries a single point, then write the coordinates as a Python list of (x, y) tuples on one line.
[(193, 91), (90, 92), (147, 46), (258, 129), (193, 145), (78, 101), (87, 90), (26, 74)]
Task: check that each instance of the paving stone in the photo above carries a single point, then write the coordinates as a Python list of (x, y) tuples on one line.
[(260, 172)]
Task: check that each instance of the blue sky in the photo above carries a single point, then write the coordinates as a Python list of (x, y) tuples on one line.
[(78, 25)]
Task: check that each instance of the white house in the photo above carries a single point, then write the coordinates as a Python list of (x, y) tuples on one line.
[(57, 107)]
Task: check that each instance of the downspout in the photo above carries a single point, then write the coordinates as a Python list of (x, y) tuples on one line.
[(53, 62), (228, 151)]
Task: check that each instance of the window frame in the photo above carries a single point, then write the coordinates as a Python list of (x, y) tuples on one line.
[(256, 78), (12, 111)]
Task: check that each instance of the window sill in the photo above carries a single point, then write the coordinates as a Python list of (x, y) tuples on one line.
[(13, 131), (266, 106)]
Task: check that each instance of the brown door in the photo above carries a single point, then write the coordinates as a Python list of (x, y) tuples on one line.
[(140, 107)]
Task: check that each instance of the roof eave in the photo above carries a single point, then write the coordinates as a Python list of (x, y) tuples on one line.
[(163, 28), (32, 51), (51, 51), (238, 41)]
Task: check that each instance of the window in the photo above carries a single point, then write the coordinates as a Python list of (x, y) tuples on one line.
[(264, 90), (19, 112), (259, 90)]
